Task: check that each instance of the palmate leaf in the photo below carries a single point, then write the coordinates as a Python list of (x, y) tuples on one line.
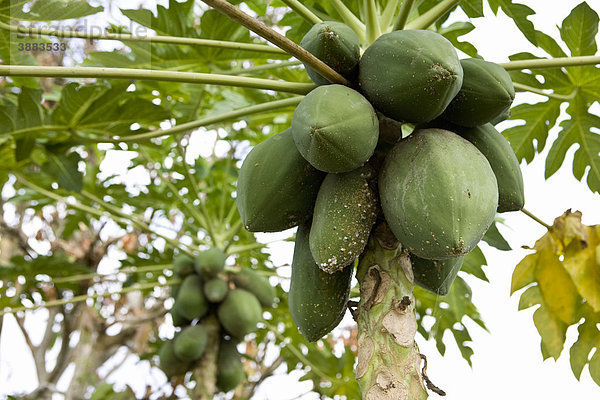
[(562, 278), (518, 13)]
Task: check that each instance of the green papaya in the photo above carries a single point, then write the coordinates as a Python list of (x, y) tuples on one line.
[(209, 263), (438, 193), (410, 75), (335, 128), (317, 300), (335, 44), (190, 302), (215, 290), (230, 370), (345, 211), (504, 163), (175, 290), (239, 313), (502, 117), (178, 319), (486, 93), (168, 361), (183, 265), (276, 187), (256, 284), (190, 343), (435, 275)]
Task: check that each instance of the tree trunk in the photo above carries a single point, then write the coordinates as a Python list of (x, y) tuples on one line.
[(206, 371), (388, 358)]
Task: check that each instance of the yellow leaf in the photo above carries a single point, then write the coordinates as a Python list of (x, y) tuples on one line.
[(568, 227), (581, 262)]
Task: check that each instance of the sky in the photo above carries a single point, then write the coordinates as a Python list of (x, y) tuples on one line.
[(507, 363)]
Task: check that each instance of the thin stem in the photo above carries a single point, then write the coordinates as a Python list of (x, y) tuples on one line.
[(277, 39), (240, 249), (388, 15), (210, 120), (127, 270), (373, 28), (79, 299), (350, 19), (261, 48), (303, 11), (260, 68), (551, 62), (532, 89), (403, 15), (155, 75), (34, 129), (428, 18), (536, 219)]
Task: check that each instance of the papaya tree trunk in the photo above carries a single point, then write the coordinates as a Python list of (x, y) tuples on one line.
[(388, 358), (206, 371)]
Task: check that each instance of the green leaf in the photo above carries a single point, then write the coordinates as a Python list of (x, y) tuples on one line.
[(46, 10), (518, 13), (456, 30), (64, 169), (579, 30), (473, 8), (494, 238), (473, 262), (588, 339)]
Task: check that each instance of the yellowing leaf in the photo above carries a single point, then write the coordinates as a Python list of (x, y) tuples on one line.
[(581, 262)]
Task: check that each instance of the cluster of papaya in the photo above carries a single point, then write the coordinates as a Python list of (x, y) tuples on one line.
[(236, 299), (344, 164)]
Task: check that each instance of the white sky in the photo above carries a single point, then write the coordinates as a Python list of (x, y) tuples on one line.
[(507, 363)]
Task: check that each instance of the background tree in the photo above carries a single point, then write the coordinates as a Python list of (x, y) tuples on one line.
[(93, 246)]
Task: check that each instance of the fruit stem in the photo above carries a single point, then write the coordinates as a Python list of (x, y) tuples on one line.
[(373, 27), (429, 18), (558, 62), (350, 19), (536, 219), (277, 39), (79, 299), (303, 11), (532, 89), (403, 15), (260, 68), (261, 48), (155, 75), (387, 16)]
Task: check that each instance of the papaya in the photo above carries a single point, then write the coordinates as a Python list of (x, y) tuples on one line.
[(277, 187), (230, 371), (438, 193), (190, 343), (335, 128), (178, 319), (335, 44), (486, 93), (209, 263), (215, 290), (317, 300), (504, 163), (175, 290), (256, 284), (190, 302), (502, 117), (183, 265), (239, 313), (435, 275), (169, 362), (345, 211), (410, 75)]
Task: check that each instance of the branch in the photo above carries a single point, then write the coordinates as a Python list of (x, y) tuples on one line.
[(40, 362), (261, 48), (277, 39), (156, 75), (303, 11), (536, 219), (264, 374), (562, 97), (63, 358), (429, 18), (558, 62)]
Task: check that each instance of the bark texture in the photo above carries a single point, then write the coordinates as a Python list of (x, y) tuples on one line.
[(206, 371), (388, 358)]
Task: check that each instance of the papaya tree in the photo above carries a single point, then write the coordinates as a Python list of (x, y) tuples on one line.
[(141, 164)]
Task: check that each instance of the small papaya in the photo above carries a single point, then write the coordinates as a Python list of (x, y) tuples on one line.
[(335, 44), (190, 343), (215, 290), (335, 128), (435, 275), (239, 313), (209, 263), (169, 362), (276, 187), (190, 302), (317, 300), (438, 193), (178, 319), (230, 371), (256, 284), (183, 265), (345, 211), (487, 92), (410, 75)]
